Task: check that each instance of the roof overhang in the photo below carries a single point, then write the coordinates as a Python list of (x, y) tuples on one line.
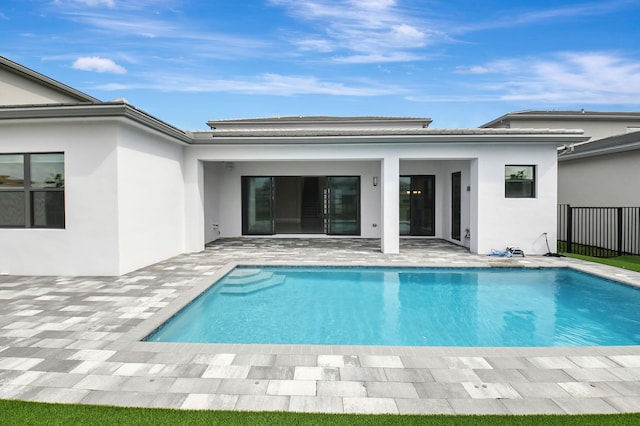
[(101, 110), (558, 137)]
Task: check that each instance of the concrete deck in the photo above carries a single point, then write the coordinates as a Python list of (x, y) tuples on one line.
[(75, 340)]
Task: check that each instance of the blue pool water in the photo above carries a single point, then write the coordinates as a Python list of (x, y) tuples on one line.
[(410, 307)]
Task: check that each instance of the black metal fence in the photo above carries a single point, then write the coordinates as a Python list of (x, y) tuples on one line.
[(599, 231)]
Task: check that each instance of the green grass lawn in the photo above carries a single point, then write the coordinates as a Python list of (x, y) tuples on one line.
[(632, 263), (34, 413)]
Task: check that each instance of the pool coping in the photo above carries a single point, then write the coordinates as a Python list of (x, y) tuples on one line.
[(134, 338)]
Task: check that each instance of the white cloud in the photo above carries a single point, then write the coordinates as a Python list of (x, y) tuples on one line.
[(97, 64), (570, 77), (262, 84), (90, 3), (362, 30)]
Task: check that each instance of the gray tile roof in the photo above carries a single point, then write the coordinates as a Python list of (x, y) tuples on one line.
[(610, 145)]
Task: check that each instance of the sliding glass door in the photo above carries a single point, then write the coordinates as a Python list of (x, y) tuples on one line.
[(342, 205), (301, 205), (257, 205), (417, 205)]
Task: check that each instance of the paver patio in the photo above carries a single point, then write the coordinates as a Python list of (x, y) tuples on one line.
[(75, 339)]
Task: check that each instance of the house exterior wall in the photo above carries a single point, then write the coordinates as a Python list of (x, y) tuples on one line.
[(16, 90), (89, 243), (522, 222), (124, 199), (495, 223), (150, 197), (600, 181)]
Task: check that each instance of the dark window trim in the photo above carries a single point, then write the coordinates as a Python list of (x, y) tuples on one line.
[(534, 188), (28, 192)]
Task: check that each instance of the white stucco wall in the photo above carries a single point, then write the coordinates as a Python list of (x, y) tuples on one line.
[(89, 243), (518, 222), (124, 198), (602, 181), (493, 220), (150, 197)]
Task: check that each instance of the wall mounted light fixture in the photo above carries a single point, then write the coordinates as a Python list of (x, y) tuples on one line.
[(375, 181)]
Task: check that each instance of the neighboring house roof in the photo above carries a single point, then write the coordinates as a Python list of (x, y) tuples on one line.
[(45, 81), (562, 115), (103, 109), (611, 145)]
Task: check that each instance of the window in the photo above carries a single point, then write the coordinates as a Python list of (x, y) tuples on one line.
[(32, 190), (520, 181)]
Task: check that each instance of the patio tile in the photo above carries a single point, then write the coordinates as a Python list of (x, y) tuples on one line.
[(423, 406), (227, 372), (271, 373), (119, 398), (341, 388), (552, 362), (540, 390), (585, 406), (198, 401), (69, 348), (193, 386), (408, 375), (441, 390), (316, 373), (382, 361), (454, 375), (532, 406), (262, 403), (588, 390), (369, 405), (243, 387), (592, 375), (391, 390), (316, 404), (363, 374), (477, 406), (292, 387), (625, 404), (60, 395), (338, 361), (626, 360)]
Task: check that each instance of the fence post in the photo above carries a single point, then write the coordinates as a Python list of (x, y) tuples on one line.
[(619, 231), (569, 227)]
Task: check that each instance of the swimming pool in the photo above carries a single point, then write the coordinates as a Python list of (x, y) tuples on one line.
[(409, 307)]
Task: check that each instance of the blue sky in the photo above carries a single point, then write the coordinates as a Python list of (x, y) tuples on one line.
[(462, 63)]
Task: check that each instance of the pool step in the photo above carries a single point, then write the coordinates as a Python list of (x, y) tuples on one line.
[(251, 283), (247, 276)]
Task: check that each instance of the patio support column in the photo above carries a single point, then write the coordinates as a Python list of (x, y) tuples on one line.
[(390, 179)]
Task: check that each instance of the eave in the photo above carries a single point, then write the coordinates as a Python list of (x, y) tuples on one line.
[(101, 110)]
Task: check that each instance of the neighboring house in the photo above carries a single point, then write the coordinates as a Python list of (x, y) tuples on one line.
[(102, 188), (596, 125), (602, 173)]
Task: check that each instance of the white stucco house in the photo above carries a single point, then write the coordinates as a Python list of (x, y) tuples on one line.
[(103, 188), (601, 173), (595, 124)]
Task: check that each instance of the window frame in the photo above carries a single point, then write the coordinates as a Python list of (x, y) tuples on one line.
[(509, 178), (29, 191)]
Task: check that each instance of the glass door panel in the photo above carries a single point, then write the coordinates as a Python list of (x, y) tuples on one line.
[(417, 205), (257, 205), (405, 205), (456, 195), (342, 205)]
